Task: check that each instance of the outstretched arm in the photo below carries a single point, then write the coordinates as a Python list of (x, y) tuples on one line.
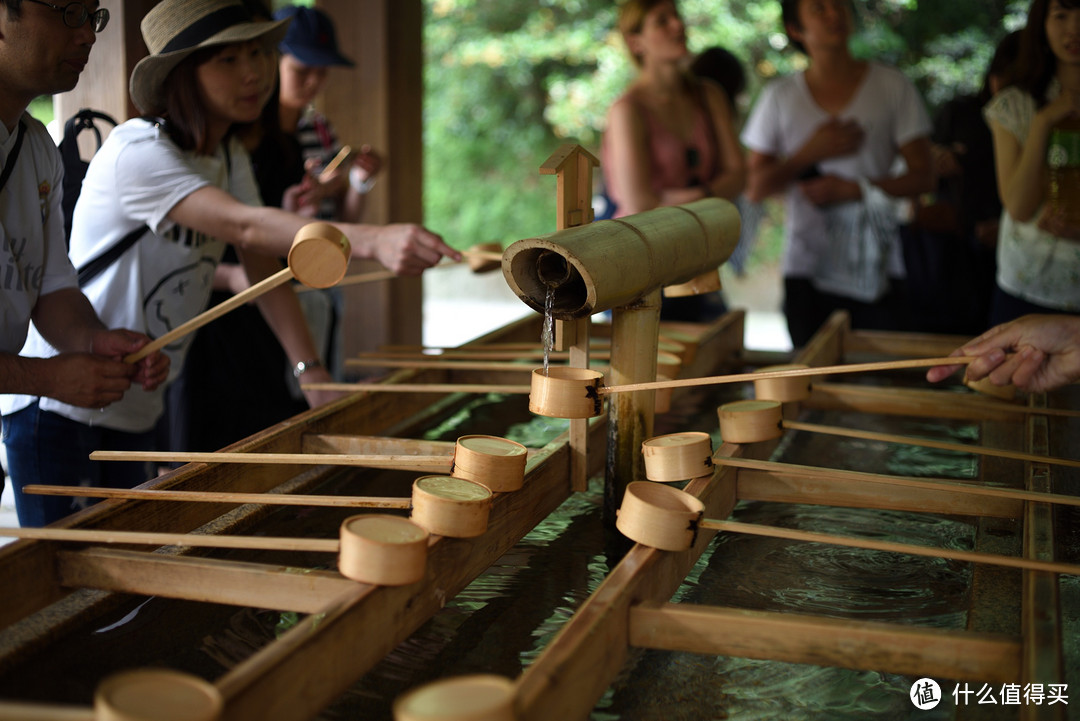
[(405, 248)]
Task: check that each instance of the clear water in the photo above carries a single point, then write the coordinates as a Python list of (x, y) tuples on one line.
[(547, 333)]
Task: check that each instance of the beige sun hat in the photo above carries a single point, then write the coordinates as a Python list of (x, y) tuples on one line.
[(174, 29)]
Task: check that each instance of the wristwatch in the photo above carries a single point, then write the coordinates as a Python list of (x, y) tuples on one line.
[(304, 366)]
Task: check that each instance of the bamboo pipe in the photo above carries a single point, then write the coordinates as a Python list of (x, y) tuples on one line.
[(269, 499), (615, 263), (393, 462), (318, 257)]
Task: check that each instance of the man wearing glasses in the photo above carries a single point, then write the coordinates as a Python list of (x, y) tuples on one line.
[(43, 50)]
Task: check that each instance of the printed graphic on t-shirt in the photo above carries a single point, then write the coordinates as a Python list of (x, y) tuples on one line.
[(178, 297)]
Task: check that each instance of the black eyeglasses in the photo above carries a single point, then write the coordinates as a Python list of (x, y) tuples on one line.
[(76, 15)]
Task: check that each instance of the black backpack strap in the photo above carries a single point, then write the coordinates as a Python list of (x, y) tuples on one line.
[(74, 166), (9, 165), (95, 267)]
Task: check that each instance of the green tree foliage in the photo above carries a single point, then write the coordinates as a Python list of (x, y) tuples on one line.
[(509, 82)]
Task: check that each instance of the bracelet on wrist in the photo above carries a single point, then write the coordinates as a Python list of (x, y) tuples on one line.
[(304, 366)]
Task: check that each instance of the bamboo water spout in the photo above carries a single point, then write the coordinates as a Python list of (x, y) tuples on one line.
[(616, 263), (622, 265)]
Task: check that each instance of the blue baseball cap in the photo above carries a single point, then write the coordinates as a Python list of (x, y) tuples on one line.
[(310, 37)]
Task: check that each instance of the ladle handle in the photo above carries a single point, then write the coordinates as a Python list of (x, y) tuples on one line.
[(270, 499), (282, 276), (95, 535), (416, 387), (788, 373), (928, 443), (408, 462), (793, 534), (356, 279)]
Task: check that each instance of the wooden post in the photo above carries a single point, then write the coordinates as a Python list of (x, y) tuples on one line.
[(634, 334), (380, 102), (573, 166)]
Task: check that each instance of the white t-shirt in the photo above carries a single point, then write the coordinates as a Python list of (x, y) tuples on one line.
[(135, 178), (1032, 264), (887, 107), (33, 256)]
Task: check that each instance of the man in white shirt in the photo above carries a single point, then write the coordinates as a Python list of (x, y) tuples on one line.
[(43, 50)]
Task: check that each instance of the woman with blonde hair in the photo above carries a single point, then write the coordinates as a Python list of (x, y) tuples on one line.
[(670, 137)]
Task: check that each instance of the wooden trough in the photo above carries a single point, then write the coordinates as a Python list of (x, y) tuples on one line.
[(1014, 631)]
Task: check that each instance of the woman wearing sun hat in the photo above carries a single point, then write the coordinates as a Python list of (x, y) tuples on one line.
[(180, 172)]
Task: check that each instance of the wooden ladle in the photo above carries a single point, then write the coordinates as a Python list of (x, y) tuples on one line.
[(318, 258)]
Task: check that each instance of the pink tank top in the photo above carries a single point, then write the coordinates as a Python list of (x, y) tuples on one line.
[(675, 163)]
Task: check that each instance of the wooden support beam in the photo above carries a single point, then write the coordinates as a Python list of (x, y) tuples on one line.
[(1041, 622), (914, 345), (934, 403), (798, 638), (202, 579), (592, 647), (817, 489), (384, 618)]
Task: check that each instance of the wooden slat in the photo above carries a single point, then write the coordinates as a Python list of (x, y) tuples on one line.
[(1041, 620), (16, 711), (381, 445), (798, 638), (893, 343), (910, 402), (364, 627), (30, 565), (826, 347), (589, 651), (793, 487), (202, 579)]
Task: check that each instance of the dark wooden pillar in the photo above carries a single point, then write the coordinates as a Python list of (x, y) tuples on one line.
[(380, 102)]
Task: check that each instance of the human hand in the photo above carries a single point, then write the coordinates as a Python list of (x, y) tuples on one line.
[(406, 248), (833, 138), (1065, 105), (830, 189), (368, 161), (1052, 221), (316, 398), (150, 372), (1034, 353), (946, 159), (86, 380)]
